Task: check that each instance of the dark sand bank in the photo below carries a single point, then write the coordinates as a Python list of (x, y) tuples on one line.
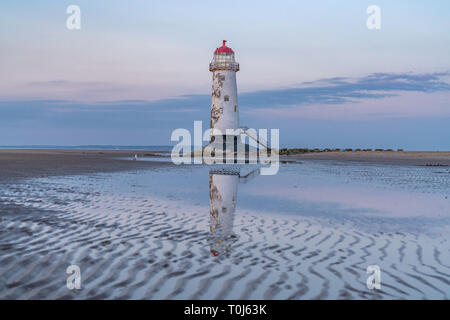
[(29, 163), (419, 158)]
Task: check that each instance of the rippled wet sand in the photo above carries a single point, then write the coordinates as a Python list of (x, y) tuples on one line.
[(188, 232)]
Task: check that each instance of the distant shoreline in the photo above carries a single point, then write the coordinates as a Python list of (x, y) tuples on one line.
[(87, 147), (28, 163), (419, 158)]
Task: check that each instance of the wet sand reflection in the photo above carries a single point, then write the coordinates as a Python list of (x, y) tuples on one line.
[(223, 186)]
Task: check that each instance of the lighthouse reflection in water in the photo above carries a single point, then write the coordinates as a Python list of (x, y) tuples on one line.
[(223, 186), (222, 205)]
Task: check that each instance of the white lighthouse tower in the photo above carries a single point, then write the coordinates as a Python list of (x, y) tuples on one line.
[(224, 104), (225, 138)]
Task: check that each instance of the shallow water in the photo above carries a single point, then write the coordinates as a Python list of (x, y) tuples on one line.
[(195, 232)]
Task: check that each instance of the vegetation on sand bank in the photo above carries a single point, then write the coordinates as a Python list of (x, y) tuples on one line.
[(289, 151)]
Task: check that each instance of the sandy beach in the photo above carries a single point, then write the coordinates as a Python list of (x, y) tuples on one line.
[(29, 163), (153, 230)]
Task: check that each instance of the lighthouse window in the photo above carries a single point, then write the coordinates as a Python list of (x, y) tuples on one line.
[(235, 108), (226, 98)]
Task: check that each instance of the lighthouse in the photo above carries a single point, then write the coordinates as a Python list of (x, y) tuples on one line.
[(224, 101), (225, 134)]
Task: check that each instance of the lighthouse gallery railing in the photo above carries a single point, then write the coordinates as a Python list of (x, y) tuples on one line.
[(233, 66)]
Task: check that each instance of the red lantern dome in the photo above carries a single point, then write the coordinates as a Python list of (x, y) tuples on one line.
[(224, 49), (223, 59)]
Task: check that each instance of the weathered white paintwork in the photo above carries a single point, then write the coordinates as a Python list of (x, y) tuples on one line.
[(224, 102)]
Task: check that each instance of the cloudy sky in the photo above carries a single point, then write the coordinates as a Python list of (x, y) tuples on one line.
[(138, 69)]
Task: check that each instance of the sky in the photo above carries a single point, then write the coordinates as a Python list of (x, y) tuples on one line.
[(138, 69)]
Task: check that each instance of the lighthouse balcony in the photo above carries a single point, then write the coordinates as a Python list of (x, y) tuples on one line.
[(223, 65)]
